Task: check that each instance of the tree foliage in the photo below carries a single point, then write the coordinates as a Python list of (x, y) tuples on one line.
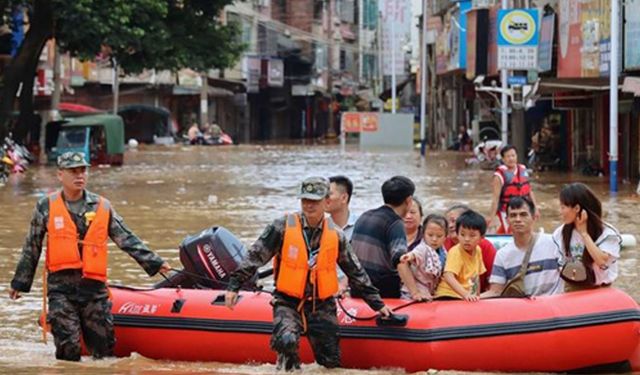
[(160, 34), (138, 34)]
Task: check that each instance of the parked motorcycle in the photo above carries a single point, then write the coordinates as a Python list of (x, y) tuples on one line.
[(6, 164), (14, 158), (541, 161)]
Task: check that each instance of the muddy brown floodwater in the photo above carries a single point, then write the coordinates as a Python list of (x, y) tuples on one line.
[(168, 192)]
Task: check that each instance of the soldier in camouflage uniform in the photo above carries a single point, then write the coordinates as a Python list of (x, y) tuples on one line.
[(78, 305), (292, 316)]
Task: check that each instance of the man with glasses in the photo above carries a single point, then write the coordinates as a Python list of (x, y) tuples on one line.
[(78, 224), (307, 248)]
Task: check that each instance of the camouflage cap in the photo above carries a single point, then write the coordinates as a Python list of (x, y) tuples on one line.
[(72, 159), (314, 188)]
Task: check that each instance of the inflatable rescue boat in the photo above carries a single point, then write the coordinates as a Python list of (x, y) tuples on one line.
[(591, 329), (556, 333)]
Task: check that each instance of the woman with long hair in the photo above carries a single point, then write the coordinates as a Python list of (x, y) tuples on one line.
[(590, 247)]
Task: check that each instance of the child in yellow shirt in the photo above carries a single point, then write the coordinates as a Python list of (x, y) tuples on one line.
[(461, 277)]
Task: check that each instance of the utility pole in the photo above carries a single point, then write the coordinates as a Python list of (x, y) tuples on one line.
[(331, 131), (204, 100), (518, 133), (504, 99), (393, 57), (613, 98), (360, 41), (423, 80), (379, 72), (57, 87), (115, 87), (55, 101)]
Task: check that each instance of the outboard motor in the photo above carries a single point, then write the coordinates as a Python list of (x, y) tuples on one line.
[(208, 259)]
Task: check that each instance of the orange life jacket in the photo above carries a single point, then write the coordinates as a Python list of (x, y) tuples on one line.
[(294, 261), (63, 240), (515, 185)]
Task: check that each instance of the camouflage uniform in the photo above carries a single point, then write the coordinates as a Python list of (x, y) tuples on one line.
[(322, 324), (78, 305)]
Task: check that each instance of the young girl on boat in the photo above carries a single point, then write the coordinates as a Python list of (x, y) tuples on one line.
[(590, 247), (427, 259)]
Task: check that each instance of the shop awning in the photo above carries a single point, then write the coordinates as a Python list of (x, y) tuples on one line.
[(551, 85), (386, 94), (228, 84), (214, 92)]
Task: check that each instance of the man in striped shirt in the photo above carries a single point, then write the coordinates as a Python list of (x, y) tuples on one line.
[(542, 276), (379, 240)]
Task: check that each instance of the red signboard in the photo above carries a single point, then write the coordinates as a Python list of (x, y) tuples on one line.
[(355, 122), (351, 122), (369, 121)]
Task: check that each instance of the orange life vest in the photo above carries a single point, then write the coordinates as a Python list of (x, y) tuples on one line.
[(294, 261), (62, 241), (514, 185)]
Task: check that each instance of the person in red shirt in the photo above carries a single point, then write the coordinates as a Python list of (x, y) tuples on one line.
[(488, 250)]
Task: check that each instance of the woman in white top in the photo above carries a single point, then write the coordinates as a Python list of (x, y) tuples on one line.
[(585, 237), (413, 224)]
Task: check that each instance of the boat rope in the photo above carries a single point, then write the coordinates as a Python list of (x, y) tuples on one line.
[(371, 317), (255, 288)]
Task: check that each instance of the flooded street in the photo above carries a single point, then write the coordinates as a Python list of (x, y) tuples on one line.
[(167, 193)]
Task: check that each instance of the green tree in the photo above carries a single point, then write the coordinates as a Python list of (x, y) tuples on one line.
[(138, 34)]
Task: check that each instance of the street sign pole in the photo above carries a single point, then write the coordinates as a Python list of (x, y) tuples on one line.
[(423, 81), (393, 58), (517, 51), (613, 99), (504, 104)]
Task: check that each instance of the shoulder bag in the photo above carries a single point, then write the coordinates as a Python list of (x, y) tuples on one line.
[(515, 287)]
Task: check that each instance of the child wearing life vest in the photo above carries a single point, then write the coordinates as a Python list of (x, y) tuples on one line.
[(427, 259), (461, 277)]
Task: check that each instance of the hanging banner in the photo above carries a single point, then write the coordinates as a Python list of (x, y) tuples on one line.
[(569, 39), (252, 69), (492, 48), (451, 43), (632, 35), (545, 49), (396, 33), (477, 39), (275, 73)]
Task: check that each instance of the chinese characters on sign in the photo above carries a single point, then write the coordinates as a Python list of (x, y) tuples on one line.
[(356, 122), (518, 39), (396, 36)]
